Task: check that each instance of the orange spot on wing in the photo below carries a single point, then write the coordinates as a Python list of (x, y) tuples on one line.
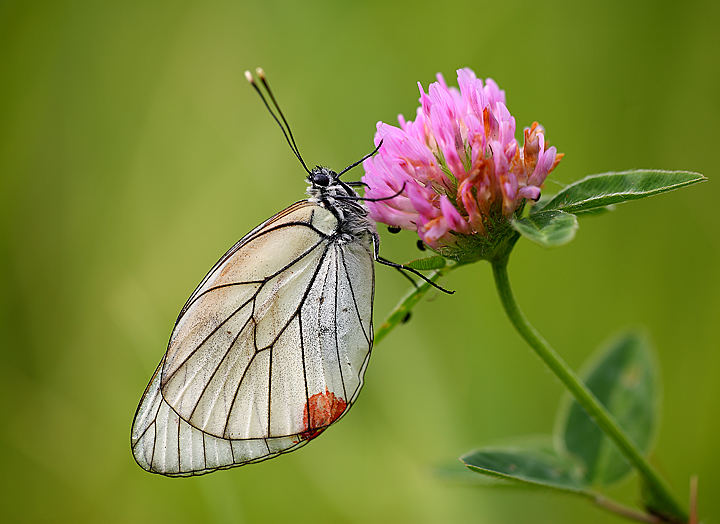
[(325, 408)]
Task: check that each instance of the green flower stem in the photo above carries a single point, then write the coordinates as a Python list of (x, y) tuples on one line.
[(665, 501)]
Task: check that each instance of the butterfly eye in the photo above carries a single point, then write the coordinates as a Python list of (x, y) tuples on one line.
[(321, 179)]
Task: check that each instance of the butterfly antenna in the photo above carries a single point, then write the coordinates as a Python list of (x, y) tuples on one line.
[(290, 139), (263, 79), (348, 168)]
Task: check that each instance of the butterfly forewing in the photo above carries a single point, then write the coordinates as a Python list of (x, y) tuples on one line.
[(269, 350)]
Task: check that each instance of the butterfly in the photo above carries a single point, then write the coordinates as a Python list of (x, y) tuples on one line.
[(272, 346)]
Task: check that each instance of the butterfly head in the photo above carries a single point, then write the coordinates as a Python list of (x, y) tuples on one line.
[(322, 177), (325, 183), (325, 186)]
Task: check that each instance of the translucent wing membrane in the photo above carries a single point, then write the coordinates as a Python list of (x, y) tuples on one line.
[(268, 351), (164, 443)]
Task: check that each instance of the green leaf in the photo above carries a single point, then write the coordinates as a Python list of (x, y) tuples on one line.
[(595, 211), (537, 209), (623, 377), (548, 228), (423, 264), (612, 188), (537, 464)]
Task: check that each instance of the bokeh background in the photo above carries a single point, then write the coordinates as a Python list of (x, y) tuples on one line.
[(133, 153)]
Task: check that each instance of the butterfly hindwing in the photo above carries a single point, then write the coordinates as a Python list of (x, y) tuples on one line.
[(268, 351)]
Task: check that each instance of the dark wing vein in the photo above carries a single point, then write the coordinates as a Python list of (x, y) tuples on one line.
[(269, 399), (252, 358), (352, 294), (178, 442), (302, 353), (152, 458), (335, 323), (227, 352), (204, 451), (232, 404)]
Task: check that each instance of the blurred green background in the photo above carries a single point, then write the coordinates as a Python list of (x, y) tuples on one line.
[(133, 153)]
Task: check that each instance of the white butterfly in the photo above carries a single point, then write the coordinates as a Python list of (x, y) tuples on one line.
[(272, 346)]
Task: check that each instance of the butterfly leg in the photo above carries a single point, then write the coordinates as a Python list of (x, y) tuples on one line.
[(402, 268), (412, 281)]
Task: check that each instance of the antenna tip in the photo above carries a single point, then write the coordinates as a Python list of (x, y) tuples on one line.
[(260, 73), (248, 77)]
